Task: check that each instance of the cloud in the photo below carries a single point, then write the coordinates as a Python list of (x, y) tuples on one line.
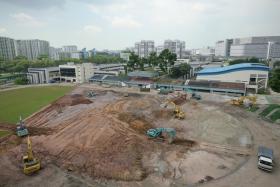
[(198, 7), (3, 30), (35, 4), (26, 19), (125, 22), (92, 29)]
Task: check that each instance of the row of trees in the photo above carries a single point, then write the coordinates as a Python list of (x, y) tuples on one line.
[(21, 63), (104, 59), (247, 60), (164, 60)]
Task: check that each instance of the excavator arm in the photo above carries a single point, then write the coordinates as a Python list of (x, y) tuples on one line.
[(177, 110), (29, 149)]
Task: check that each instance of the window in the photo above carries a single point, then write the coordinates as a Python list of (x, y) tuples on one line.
[(262, 75), (67, 72), (252, 79)]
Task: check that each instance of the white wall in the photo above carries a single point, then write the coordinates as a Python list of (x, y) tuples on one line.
[(236, 76)]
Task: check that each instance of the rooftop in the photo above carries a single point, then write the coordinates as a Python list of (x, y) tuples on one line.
[(146, 74), (236, 67)]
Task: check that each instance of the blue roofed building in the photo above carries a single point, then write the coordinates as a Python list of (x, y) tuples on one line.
[(253, 75)]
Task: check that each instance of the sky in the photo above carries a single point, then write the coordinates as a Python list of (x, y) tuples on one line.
[(117, 24)]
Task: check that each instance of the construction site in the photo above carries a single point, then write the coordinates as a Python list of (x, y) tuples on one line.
[(110, 136)]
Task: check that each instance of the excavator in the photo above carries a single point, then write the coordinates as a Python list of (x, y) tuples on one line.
[(177, 110), (21, 129), (30, 163), (157, 133)]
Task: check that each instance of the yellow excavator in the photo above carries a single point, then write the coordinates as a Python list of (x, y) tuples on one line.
[(30, 164), (177, 110)]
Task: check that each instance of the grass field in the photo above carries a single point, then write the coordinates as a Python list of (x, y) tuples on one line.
[(26, 101), (275, 116), (4, 133), (269, 109)]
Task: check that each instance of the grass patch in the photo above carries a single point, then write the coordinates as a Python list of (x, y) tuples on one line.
[(275, 116), (26, 101), (4, 133), (253, 109), (268, 109)]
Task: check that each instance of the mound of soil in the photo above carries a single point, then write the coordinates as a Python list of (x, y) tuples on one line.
[(137, 123), (72, 100), (162, 114)]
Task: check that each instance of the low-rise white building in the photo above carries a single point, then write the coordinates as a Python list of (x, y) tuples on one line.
[(124, 56), (254, 76), (76, 73), (43, 75)]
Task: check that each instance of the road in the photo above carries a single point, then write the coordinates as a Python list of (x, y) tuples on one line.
[(263, 133)]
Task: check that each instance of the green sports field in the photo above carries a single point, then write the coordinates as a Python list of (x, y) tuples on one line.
[(26, 101)]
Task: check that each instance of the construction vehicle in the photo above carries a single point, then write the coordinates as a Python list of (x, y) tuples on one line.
[(165, 91), (245, 100), (196, 96), (177, 110), (265, 158), (30, 164), (158, 133), (91, 94), (21, 129)]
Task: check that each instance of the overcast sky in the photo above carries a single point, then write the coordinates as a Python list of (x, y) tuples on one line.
[(116, 24)]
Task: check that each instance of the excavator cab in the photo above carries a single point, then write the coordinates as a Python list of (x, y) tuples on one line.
[(179, 113), (21, 129), (30, 164), (158, 132)]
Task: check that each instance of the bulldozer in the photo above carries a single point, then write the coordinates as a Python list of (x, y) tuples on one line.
[(21, 129), (177, 110), (30, 163), (158, 132)]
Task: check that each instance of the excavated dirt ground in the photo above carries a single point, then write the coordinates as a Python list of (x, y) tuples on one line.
[(103, 138)]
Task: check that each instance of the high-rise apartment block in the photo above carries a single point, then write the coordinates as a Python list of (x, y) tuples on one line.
[(70, 48), (32, 49), (54, 53), (7, 48), (144, 48), (175, 46), (159, 49)]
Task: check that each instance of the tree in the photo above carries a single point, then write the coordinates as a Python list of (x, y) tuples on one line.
[(42, 57), (133, 61), (274, 81), (141, 63), (166, 59), (183, 70), (21, 81), (276, 64), (153, 59), (247, 60)]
